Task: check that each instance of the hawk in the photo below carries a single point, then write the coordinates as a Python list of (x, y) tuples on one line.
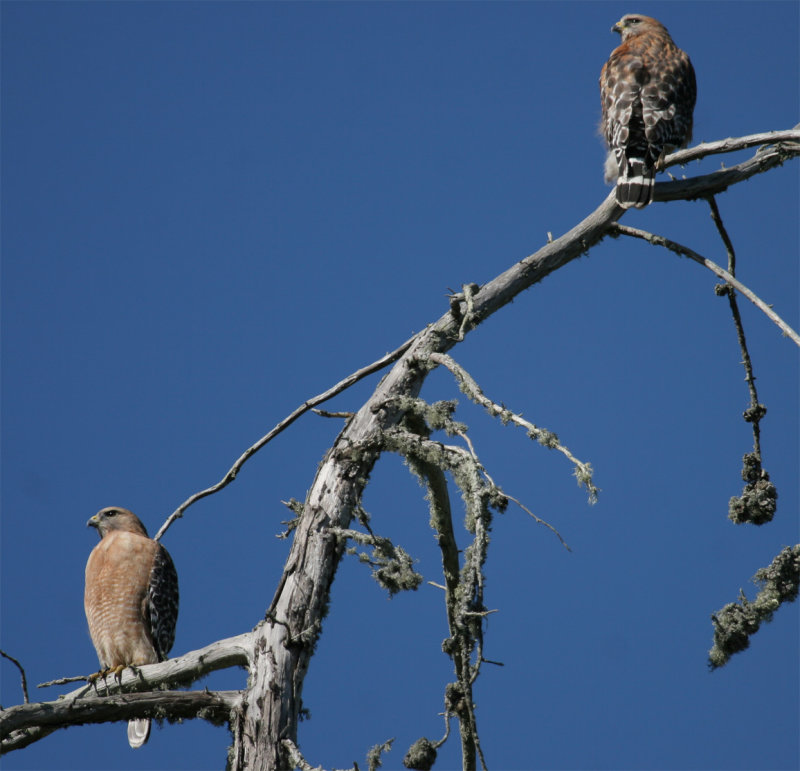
[(131, 599), (648, 91)]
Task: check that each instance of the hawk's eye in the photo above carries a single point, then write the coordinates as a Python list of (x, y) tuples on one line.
[(112, 513), (633, 21)]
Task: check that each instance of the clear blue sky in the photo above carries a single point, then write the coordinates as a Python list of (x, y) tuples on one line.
[(212, 211)]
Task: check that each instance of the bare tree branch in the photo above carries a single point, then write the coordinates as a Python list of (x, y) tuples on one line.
[(759, 499), (442, 522), (539, 520), (21, 674), (327, 414), (27, 723), (756, 411), (307, 405), (583, 471), (766, 158), (66, 681), (505, 495), (767, 139), (685, 251), (116, 699)]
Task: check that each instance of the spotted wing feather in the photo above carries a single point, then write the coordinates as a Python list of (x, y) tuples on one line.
[(163, 600)]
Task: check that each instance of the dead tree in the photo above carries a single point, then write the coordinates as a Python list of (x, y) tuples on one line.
[(263, 716)]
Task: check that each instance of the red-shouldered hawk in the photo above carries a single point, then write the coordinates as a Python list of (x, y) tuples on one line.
[(131, 599), (648, 91)]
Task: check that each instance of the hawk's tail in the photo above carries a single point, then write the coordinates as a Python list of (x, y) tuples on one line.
[(635, 183), (138, 732)]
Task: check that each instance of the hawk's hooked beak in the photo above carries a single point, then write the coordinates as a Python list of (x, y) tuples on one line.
[(93, 522), (618, 27)]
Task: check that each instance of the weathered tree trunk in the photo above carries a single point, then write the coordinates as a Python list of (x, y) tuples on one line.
[(286, 640)]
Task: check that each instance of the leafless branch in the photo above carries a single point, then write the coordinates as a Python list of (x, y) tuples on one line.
[(756, 411), (786, 145), (539, 520), (114, 699), (511, 498), (685, 251), (766, 139), (583, 471), (21, 725), (65, 681), (307, 405), (21, 674), (327, 414), (457, 647)]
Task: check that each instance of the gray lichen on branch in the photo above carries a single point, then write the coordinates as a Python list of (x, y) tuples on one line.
[(738, 621)]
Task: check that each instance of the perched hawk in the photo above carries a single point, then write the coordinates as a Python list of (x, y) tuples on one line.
[(648, 92), (131, 599)]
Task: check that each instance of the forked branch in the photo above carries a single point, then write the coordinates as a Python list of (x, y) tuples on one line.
[(467, 384)]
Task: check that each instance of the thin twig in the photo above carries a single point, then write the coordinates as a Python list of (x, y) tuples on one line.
[(441, 741), (471, 388), (784, 146), (723, 233), (685, 251), (471, 447), (730, 145), (307, 405), (326, 414), (21, 674), (539, 520), (756, 411), (480, 752), (491, 481), (65, 680)]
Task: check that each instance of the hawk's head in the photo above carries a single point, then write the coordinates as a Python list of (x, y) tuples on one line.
[(116, 518), (635, 23)]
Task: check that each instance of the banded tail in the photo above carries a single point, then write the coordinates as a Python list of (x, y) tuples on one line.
[(138, 732), (635, 183)]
